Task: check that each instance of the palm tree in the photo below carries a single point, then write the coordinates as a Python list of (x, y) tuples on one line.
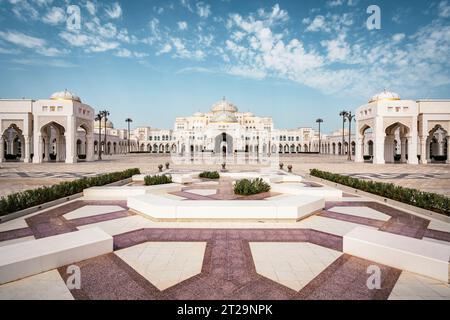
[(350, 118), (319, 121), (128, 121), (98, 118), (105, 114), (343, 114)]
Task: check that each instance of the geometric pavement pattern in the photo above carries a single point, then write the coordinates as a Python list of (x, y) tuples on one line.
[(227, 264)]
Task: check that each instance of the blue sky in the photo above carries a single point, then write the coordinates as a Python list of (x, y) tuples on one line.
[(292, 60)]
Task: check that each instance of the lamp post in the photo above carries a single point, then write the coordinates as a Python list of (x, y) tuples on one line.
[(98, 118), (128, 121), (105, 114), (343, 114), (350, 118), (319, 121)]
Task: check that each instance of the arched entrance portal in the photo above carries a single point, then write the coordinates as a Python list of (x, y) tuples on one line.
[(223, 144)]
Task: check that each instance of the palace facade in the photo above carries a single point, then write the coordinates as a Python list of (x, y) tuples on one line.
[(63, 129)]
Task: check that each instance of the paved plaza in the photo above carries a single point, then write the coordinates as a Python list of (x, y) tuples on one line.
[(224, 260), (15, 176)]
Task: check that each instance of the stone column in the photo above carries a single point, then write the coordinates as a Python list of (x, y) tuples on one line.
[(359, 150), (47, 146), (2, 149), (412, 141), (90, 147), (448, 149), (378, 152), (403, 146), (70, 138), (26, 149), (38, 145), (423, 150), (389, 148)]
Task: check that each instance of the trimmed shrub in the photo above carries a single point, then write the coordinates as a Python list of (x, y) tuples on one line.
[(425, 200), (30, 198), (82, 156), (209, 175), (157, 179), (246, 187)]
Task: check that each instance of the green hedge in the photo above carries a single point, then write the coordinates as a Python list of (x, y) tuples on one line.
[(426, 200), (246, 187), (209, 175), (30, 198), (154, 180)]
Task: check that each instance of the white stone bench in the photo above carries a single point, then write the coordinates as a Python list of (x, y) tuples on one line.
[(112, 193), (182, 178), (300, 189), (287, 208), (25, 259), (419, 256)]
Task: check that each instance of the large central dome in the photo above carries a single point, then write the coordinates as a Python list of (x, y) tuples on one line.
[(224, 106), (224, 111)]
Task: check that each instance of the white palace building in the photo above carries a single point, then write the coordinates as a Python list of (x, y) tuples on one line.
[(62, 129)]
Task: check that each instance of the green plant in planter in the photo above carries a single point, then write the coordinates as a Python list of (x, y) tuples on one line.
[(246, 187), (290, 168), (209, 175), (167, 165), (426, 200), (281, 165), (160, 167), (157, 179), (30, 198)]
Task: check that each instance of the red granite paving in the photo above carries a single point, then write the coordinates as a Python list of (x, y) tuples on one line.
[(345, 279), (401, 223), (228, 271), (52, 222)]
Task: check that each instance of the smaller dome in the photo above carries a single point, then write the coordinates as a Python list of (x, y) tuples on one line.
[(65, 95), (385, 95), (108, 125)]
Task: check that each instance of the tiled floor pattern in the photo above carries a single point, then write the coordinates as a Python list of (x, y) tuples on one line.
[(296, 264), (45, 286), (412, 286), (305, 263), (165, 264)]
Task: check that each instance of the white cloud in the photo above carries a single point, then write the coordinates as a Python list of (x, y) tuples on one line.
[(398, 37), (91, 8), (247, 72), (114, 11), (317, 24), (75, 39), (338, 49), (54, 16), (182, 25), (24, 10), (29, 42), (41, 62), (165, 49), (444, 9), (125, 53), (203, 10), (335, 3), (331, 22)]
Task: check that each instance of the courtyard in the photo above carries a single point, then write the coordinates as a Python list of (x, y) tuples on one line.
[(18, 176), (202, 257)]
